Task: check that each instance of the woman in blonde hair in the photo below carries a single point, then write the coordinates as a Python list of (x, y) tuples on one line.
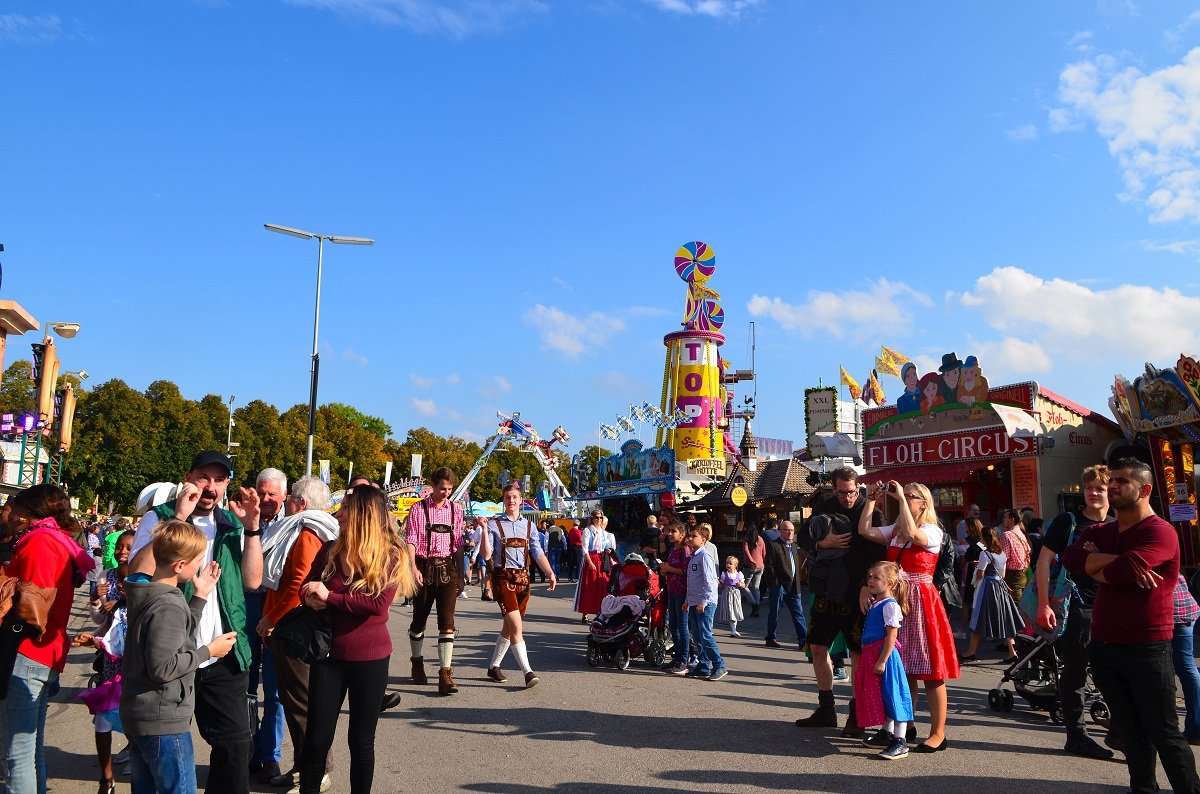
[(926, 639), (358, 577)]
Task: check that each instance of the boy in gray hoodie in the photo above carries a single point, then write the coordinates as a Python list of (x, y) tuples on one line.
[(161, 657)]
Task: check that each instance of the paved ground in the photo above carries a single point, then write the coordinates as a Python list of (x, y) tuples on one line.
[(605, 730)]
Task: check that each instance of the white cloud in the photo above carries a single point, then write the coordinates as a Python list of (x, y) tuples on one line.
[(21, 29), (453, 379), (354, 356), (1182, 247), (1010, 359), (457, 18), (495, 386), (886, 309), (426, 408), (1069, 320), (1151, 123), (569, 334), (708, 8), (1174, 38), (421, 381), (1023, 132), (469, 436), (1081, 42)]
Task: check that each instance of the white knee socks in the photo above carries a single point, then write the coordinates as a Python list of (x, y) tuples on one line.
[(417, 645), (446, 649), (522, 657), (502, 645)]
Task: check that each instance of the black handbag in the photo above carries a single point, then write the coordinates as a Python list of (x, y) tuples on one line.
[(304, 634)]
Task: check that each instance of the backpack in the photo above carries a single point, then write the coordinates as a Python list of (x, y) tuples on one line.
[(943, 573)]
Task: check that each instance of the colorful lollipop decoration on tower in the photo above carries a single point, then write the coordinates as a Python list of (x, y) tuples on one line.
[(695, 263)]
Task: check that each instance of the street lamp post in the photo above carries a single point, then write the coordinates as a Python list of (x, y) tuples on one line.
[(66, 331), (316, 362)]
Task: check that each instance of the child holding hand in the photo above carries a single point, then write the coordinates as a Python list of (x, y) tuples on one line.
[(881, 692)]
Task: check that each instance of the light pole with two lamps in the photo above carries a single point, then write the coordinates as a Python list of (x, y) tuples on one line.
[(312, 388)]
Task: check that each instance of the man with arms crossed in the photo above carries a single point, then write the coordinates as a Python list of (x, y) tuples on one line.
[(1135, 560)]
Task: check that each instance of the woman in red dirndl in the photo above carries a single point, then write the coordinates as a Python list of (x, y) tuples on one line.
[(593, 581), (926, 639)]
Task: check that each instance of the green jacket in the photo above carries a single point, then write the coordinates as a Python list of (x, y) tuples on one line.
[(231, 599)]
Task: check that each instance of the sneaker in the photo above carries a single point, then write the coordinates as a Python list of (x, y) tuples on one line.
[(840, 674), (880, 738), (289, 779), (463, 594), (496, 675), (696, 672), (122, 757), (897, 749), (718, 674), (679, 668), (531, 680)]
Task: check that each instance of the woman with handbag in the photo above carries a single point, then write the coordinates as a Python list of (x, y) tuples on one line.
[(48, 565), (357, 578), (511, 544), (995, 614), (599, 548)]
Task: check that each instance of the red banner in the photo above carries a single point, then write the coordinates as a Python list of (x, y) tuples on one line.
[(980, 445)]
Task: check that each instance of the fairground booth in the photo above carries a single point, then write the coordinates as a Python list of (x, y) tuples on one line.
[(1013, 446), (1161, 409)]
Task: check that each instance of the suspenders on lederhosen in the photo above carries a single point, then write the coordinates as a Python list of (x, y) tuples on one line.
[(513, 578), (438, 570)]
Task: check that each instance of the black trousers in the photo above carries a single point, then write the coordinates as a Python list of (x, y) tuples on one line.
[(1138, 684), (1072, 648), (329, 682), (224, 722)]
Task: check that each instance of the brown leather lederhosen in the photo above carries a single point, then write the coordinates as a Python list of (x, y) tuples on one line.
[(510, 586), (440, 585)]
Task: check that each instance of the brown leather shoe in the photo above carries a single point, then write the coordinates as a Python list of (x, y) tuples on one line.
[(418, 670), (446, 682), (773, 644), (531, 679), (496, 675)]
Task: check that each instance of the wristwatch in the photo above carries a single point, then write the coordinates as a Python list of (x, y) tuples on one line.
[(252, 533)]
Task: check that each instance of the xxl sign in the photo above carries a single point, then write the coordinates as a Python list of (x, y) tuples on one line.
[(982, 445)]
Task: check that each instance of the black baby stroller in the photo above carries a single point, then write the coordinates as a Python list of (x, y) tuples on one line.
[(1034, 676), (630, 619)]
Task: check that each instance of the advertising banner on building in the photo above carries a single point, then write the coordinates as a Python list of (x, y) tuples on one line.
[(635, 470)]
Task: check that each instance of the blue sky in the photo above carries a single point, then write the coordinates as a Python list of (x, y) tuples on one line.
[(1020, 182)]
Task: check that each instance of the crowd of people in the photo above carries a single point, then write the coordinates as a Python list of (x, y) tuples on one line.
[(200, 605)]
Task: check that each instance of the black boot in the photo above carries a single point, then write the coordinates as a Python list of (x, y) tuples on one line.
[(852, 731), (825, 716)]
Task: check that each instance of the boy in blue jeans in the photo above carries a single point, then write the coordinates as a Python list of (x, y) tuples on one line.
[(701, 604), (161, 658)]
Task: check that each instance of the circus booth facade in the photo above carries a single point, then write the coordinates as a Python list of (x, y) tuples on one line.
[(1012, 446), (1161, 409)]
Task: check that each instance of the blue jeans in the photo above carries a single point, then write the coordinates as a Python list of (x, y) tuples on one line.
[(269, 740), (1185, 670), (555, 560), (162, 764), (700, 625), (23, 722), (794, 606), (678, 621)]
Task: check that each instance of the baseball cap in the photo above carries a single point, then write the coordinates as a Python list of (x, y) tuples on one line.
[(209, 457)]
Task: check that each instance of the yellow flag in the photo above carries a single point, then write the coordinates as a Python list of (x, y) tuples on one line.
[(876, 389), (894, 358), (851, 384), (886, 365)]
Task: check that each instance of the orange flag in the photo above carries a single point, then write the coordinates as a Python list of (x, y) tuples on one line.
[(850, 383)]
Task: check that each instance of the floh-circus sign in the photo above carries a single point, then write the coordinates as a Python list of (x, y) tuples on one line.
[(635, 470), (955, 398)]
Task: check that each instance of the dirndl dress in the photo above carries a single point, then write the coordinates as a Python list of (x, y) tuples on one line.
[(926, 639), (729, 604), (880, 698), (995, 615)]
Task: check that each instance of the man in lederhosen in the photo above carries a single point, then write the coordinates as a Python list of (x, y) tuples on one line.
[(434, 535), (511, 544)]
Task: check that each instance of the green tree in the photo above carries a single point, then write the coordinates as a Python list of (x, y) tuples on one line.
[(18, 392), (351, 414), (111, 457)]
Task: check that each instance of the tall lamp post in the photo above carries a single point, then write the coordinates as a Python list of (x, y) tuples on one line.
[(316, 363), (47, 387)]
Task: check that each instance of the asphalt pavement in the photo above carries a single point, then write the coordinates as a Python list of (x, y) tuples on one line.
[(637, 730)]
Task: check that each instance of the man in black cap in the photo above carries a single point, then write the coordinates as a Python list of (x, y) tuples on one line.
[(234, 543)]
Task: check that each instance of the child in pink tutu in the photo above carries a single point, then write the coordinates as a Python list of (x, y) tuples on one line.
[(881, 692)]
